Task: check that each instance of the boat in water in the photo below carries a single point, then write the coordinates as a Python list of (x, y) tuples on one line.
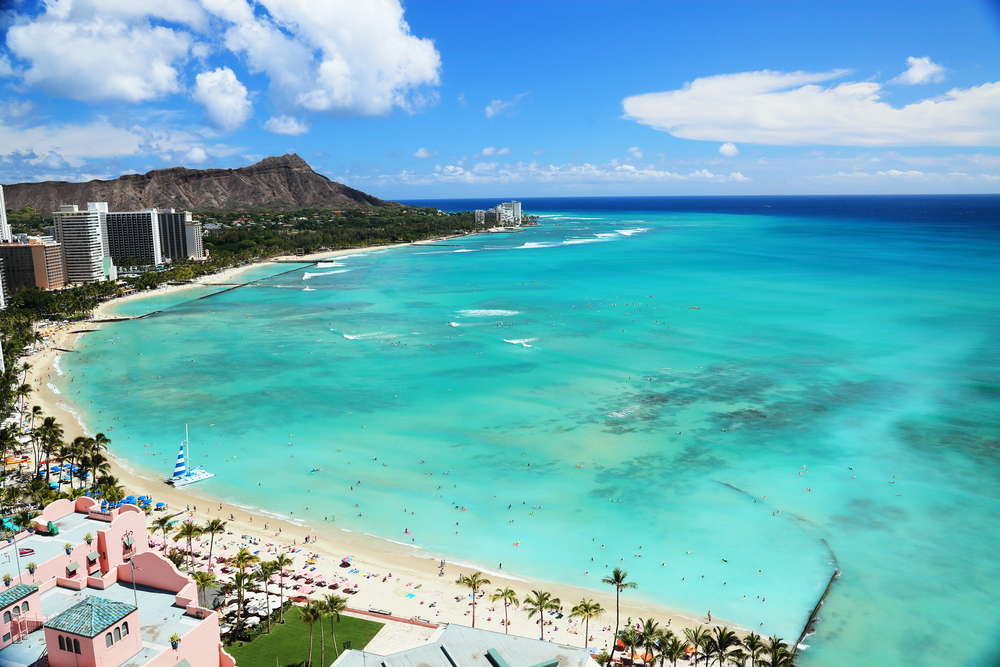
[(182, 475)]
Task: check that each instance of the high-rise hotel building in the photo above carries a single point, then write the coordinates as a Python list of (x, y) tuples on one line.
[(83, 239), (6, 235), (180, 235), (133, 237)]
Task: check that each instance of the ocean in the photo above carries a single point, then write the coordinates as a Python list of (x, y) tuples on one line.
[(732, 398)]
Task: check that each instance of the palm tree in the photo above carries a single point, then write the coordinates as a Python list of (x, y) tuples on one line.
[(754, 647), (778, 653), (189, 531), (540, 603), (241, 582), (475, 581), (587, 609), (649, 636), (244, 559), (333, 606), (696, 638), (203, 580), (282, 561), (36, 411), (631, 639), (50, 435), (163, 524), (509, 597), (213, 527), (722, 644), (310, 614), (265, 570), (674, 650), (619, 579)]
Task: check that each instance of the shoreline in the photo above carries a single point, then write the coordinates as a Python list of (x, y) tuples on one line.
[(415, 584)]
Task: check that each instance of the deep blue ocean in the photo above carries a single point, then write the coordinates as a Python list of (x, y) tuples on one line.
[(730, 397)]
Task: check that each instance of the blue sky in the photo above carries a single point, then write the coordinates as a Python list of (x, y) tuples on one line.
[(448, 98)]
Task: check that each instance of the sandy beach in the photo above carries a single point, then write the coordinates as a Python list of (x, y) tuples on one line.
[(388, 578)]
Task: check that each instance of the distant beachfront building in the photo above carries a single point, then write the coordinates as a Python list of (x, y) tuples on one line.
[(110, 600), (180, 235), (82, 235), (5, 232), (507, 214), (133, 237), (37, 263), (455, 644)]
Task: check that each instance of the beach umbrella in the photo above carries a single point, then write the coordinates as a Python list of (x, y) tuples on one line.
[(304, 590), (160, 505)]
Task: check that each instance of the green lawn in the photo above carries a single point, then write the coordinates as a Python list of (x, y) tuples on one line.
[(288, 644)]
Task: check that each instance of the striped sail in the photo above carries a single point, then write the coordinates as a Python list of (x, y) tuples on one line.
[(180, 468)]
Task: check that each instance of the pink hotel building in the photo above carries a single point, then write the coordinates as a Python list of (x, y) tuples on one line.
[(110, 602)]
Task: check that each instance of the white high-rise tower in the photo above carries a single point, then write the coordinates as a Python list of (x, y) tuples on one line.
[(6, 236)]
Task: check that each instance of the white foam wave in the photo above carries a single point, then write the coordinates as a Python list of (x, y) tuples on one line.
[(579, 241), (57, 366), (454, 324), (620, 414), (465, 250), (376, 334), (307, 275), (309, 289), (630, 232), (488, 312), (328, 265), (520, 341), (537, 244), (606, 236), (54, 389)]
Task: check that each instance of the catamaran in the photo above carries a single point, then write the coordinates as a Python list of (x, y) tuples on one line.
[(182, 475)]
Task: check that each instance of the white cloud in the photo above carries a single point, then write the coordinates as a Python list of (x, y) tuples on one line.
[(729, 149), (339, 57), (503, 107), (789, 108), (492, 150), (921, 70), (285, 125), (98, 57), (224, 98), (424, 153), (636, 152), (486, 173)]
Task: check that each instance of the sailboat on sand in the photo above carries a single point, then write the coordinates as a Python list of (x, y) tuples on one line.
[(182, 474)]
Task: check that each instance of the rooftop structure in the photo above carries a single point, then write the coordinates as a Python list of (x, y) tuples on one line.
[(461, 646), (110, 601)]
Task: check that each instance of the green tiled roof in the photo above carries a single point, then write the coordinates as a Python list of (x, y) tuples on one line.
[(15, 593), (90, 617)]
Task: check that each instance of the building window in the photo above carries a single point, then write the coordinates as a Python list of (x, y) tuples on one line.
[(24, 607), (124, 629), (6, 638), (107, 640), (6, 617), (76, 646), (62, 643), (118, 634)]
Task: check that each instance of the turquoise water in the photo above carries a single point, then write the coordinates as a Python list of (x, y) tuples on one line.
[(696, 396), (155, 302)]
